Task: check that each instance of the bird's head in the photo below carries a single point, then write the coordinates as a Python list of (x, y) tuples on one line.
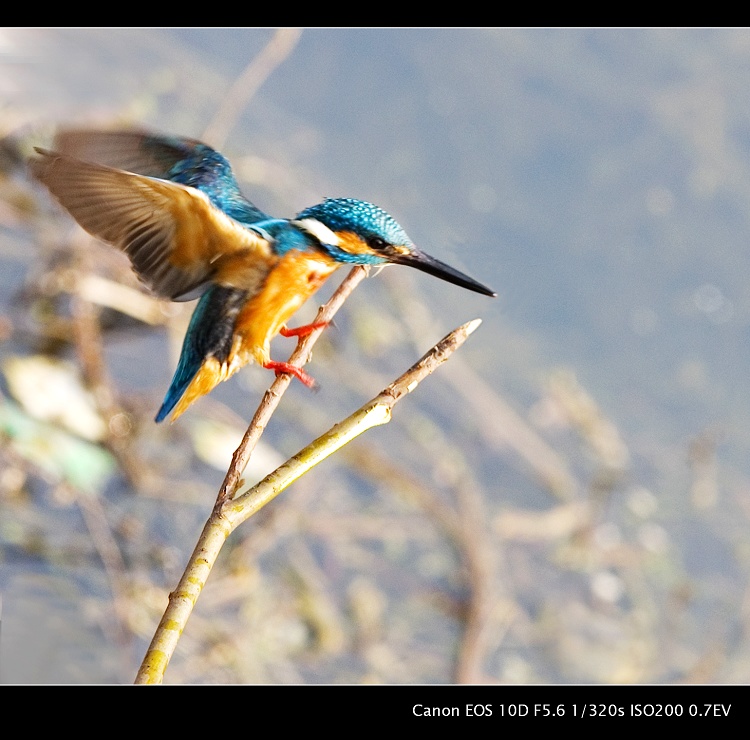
[(359, 233)]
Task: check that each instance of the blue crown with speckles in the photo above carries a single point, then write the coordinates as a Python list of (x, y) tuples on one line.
[(358, 216)]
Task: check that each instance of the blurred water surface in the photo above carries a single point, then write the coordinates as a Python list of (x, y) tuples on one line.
[(599, 180)]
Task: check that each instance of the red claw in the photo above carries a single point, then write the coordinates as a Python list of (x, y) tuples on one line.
[(280, 368), (302, 331)]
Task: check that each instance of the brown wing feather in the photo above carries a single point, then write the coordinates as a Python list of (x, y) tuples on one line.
[(173, 235), (131, 150)]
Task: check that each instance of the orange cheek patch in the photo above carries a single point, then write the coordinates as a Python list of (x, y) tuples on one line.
[(350, 242)]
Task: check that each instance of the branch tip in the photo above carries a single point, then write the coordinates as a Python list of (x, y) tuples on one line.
[(471, 326)]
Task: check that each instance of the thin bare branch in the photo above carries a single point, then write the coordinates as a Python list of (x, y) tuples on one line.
[(273, 395), (230, 513)]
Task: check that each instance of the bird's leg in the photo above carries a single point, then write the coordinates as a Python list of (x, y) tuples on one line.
[(284, 367), (304, 330)]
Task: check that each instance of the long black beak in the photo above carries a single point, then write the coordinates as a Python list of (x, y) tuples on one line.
[(439, 269)]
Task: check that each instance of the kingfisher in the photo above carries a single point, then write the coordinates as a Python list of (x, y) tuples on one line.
[(173, 205)]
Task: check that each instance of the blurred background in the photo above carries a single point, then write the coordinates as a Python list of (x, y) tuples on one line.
[(566, 501)]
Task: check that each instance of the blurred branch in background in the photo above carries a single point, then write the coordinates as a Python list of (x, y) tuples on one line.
[(248, 83)]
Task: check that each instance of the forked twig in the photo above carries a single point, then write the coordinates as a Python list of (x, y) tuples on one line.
[(229, 513)]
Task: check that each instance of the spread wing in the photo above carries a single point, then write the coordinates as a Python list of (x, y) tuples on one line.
[(175, 158), (130, 150), (174, 235)]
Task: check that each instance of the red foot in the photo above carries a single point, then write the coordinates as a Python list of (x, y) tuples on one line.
[(284, 367), (302, 331)]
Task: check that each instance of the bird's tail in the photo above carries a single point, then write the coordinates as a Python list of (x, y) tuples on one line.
[(205, 350)]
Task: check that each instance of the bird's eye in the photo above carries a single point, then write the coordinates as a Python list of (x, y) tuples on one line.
[(377, 243)]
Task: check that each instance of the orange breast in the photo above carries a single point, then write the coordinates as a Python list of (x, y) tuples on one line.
[(293, 279), (290, 283)]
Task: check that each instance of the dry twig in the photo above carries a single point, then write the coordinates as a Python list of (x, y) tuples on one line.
[(229, 513)]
